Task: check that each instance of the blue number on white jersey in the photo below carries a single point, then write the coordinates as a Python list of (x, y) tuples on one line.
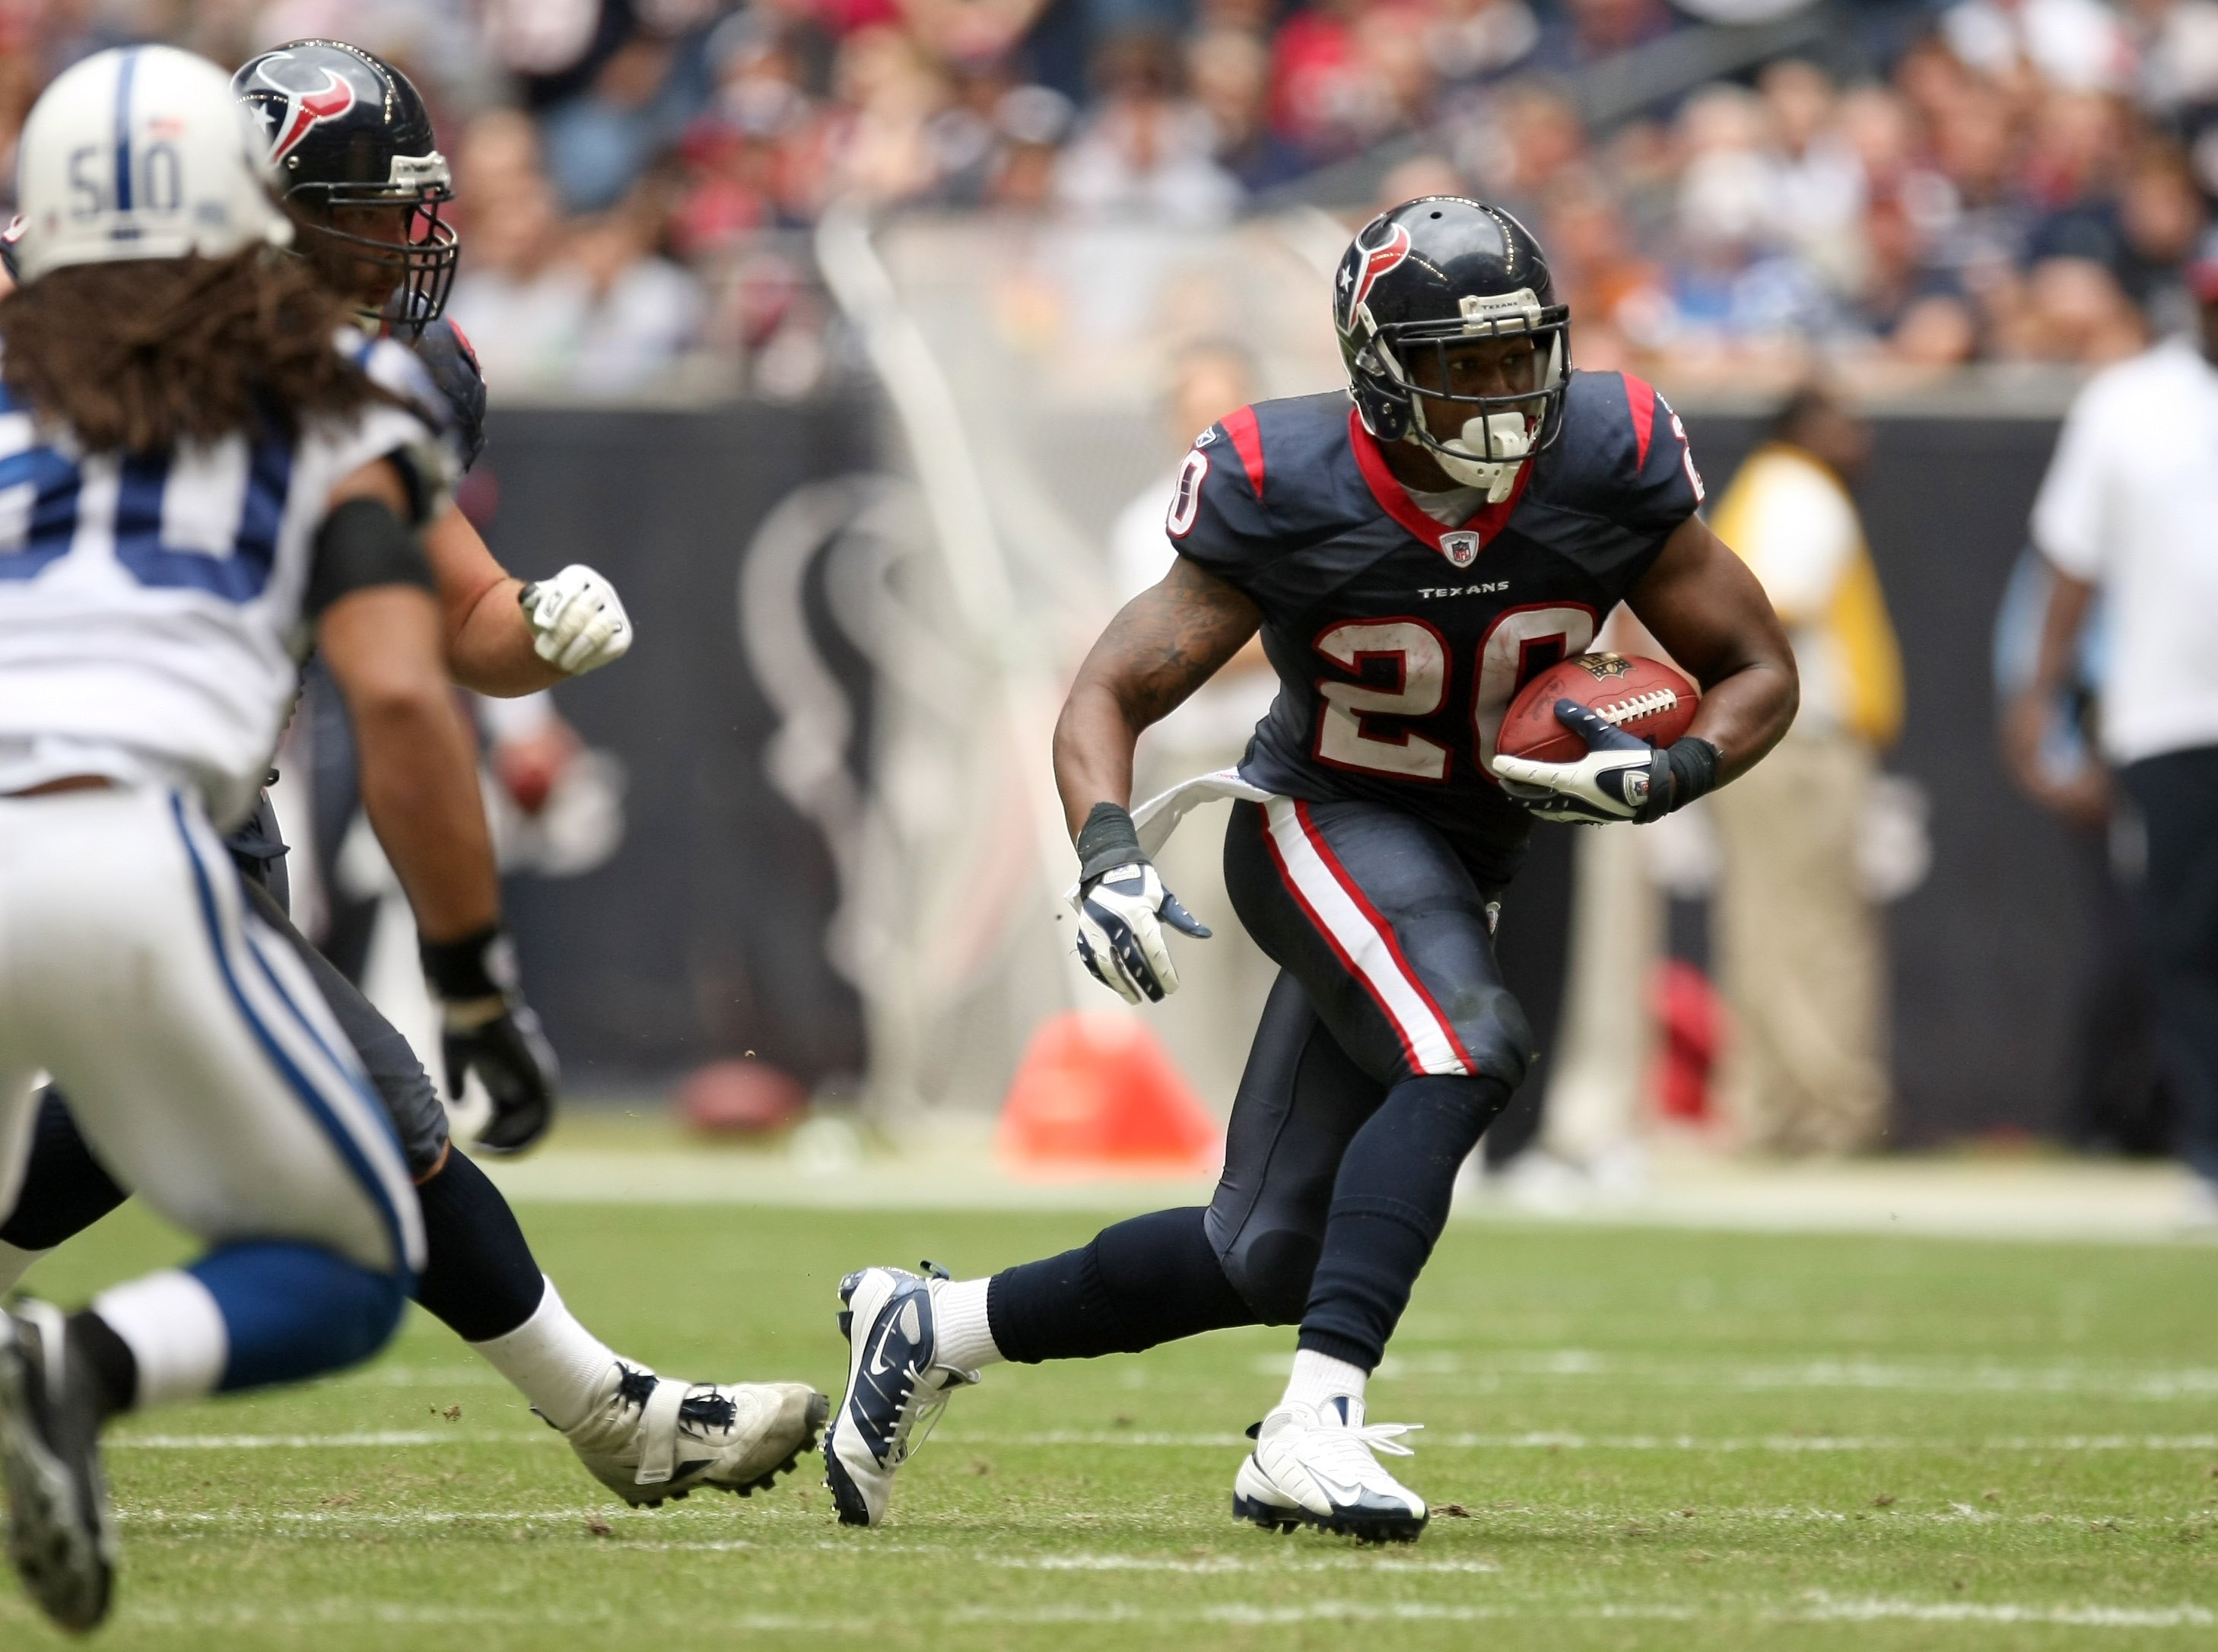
[(38, 510), (228, 523)]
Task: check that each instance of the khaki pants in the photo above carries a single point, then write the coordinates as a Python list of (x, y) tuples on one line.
[(1608, 1038), (1799, 953)]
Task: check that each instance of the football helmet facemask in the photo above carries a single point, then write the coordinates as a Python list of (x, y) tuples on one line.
[(1430, 276), (348, 130)]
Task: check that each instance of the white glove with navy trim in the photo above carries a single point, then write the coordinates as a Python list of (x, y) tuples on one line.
[(1121, 916), (577, 623), (1622, 778)]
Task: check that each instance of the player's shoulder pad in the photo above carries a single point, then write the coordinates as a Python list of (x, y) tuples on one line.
[(1621, 437), (1254, 469), (429, 461), (396, 371), (446, 354)]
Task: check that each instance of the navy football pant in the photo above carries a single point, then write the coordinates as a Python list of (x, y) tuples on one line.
[(1386, 1047)]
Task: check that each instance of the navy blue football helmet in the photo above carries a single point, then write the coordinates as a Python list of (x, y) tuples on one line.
[(1431, 274)]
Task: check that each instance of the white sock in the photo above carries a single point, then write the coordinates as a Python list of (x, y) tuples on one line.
[(174, 1331), (14, 1264), (1319, 1377), (554, 1362), (965, 1339)]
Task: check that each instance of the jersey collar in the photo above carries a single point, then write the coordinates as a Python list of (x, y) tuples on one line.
[(1486, 521)]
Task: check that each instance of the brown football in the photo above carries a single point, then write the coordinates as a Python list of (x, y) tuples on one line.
[(1642, 697)]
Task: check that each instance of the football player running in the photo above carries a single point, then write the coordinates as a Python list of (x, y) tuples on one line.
[(351, 146), (206, 468), (1411, 559)]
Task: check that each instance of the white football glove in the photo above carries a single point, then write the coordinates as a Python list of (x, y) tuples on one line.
[(1616, 780), (1121, 934), (577, 621)]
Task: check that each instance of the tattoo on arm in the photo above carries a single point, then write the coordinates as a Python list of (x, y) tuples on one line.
[(1170, 640)]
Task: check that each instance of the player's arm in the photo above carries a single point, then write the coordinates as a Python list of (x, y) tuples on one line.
[(1700, 602), (1703, 603), (378, 628), (505, 638), (1162, 646), (383, 645)]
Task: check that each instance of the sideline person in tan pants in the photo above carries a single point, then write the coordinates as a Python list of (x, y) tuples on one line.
[(1801, 949)]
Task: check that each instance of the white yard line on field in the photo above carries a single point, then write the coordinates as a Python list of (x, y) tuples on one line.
[(1980, 1377), (1530, 1520), (1813, 1608), (382, 1440), (1564, 1442), (401, 1439)]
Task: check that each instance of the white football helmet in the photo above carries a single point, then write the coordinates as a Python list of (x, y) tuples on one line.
[(142, 152)]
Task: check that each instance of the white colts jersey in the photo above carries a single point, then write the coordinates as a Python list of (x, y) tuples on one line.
[(150, 624)]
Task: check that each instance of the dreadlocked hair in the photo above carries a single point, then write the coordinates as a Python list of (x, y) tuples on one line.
[(144, 355)]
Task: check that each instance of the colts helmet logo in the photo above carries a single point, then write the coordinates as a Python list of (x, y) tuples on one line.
[(1360, 270), (1460, 548), (303, 109)]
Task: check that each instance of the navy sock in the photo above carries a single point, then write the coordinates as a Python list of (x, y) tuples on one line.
[(480, 1277), (65, 1190), (1390, 1202), (1152, 1279)]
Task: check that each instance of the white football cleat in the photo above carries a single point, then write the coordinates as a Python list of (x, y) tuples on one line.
[(895, 1388), (1313, 1465), (652, 1437)]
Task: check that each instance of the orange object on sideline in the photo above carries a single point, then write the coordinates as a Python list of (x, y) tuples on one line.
[(1099, 1092)]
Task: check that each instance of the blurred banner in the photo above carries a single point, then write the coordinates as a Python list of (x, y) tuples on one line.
[(704, 935), (842, 849)]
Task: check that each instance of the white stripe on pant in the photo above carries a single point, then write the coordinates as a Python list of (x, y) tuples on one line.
[(110, 977), (1361, 943)]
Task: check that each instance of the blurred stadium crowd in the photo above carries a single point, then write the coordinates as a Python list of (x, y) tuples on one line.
[(1915, 184)]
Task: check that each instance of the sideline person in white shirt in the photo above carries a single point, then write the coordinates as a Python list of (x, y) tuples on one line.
[(2130, 507)]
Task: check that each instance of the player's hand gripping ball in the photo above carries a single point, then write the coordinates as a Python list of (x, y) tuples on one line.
[(1580, 740), (577, 624)]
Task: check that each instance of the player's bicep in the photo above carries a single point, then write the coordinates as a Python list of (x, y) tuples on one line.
[(1170, 640), (1708, 610), (461, 565)]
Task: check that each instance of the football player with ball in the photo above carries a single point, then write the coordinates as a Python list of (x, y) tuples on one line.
[(1414, 552)]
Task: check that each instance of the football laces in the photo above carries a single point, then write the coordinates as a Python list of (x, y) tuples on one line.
[(1618, 713)]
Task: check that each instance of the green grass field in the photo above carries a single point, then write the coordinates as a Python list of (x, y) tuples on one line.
[(1634, 1439)]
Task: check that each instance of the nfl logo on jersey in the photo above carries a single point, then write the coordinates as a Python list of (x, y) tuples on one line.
[(1460, 548)]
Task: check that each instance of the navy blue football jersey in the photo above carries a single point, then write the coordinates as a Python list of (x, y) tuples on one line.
[(1399, 642)]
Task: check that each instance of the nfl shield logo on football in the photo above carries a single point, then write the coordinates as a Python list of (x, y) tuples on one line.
[(1460, 548)]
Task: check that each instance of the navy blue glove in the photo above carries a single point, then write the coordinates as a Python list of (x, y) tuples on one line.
[(487, 1028)]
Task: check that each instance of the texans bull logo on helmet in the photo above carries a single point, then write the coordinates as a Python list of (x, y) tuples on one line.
[(1356, 280), (301, 109)]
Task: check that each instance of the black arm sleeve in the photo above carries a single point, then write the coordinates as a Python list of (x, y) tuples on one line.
[(361, 544)]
